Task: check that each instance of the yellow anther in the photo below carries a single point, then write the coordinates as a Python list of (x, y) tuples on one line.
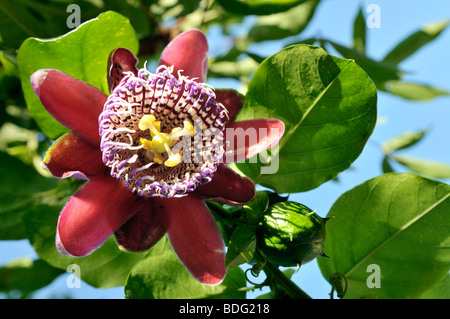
[(147, 144), (174, 158), (158, 158), (178, 132)]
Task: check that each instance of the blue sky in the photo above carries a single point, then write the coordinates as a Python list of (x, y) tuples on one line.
[(334, 20)]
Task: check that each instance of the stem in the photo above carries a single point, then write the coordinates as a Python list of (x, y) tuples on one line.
[(284, 282)]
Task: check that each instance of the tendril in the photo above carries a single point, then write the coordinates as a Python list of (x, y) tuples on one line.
[(338, 283), (254, 275), (255, 270)]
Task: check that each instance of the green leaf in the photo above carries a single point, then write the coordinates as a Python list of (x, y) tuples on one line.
[(386, 166), (425, 167), (82, 53), (223, 219), (415, 41), (412, 91), (169, 9), (241, 247), (233, 69), (12, 208), (258, 7), (104, 268), (284, 24), (134, 11), (256, 207), (27, 275), (328, 106), (8, 65), (402, 141), (359, 32), (440, 291), (275, 198), (20, 189), (162, 276), (17, 22), (378, 71), (20, 178), (398, 222)]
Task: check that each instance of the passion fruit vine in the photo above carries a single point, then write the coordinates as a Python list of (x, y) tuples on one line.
[(290, 234)]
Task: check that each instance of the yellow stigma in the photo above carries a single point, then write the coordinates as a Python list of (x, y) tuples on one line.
[(161, 143)]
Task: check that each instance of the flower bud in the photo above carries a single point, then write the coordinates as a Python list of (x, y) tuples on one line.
[(290, 234)]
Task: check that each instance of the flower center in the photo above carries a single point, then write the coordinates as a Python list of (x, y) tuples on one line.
[(162, 135), (159, 149)]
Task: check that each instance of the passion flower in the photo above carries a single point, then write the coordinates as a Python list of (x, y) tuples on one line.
[(143, 182), (290, 234)]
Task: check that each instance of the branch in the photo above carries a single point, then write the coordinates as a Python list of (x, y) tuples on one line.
[(284, 282)]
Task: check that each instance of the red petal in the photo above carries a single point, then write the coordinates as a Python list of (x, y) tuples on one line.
[(228, 187), (248, 138), (142, 231), (188, 52), (120, 60), (70, 156), (194, 236), (232, 100), (93, 214), (72, 102)]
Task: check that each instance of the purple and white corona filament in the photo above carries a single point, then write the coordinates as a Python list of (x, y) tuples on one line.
[(162, 135)]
